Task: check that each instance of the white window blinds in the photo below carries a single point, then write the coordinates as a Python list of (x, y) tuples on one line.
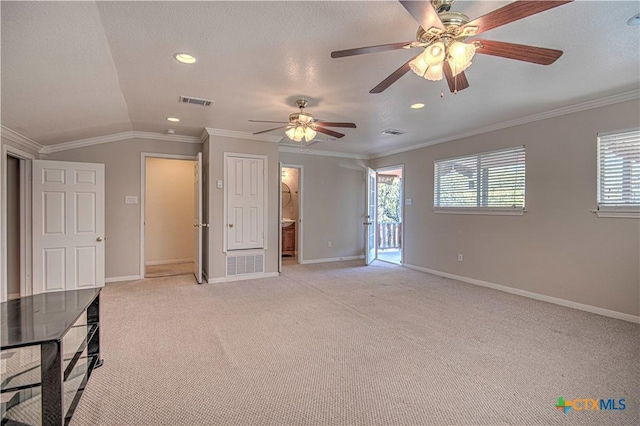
[(619, 169), (490, 180)]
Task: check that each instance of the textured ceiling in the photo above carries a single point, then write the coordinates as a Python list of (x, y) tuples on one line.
[(73, 70)]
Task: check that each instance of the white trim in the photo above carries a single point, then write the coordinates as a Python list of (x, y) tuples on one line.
[(98, 140), (143, 185), (583, 106), (241, 135), (296, 150), (332, 259), (124, 278), (300, 224), (619, 214), (531, 295), (453, 210), (21, 140), (243, 277), (168, 262)]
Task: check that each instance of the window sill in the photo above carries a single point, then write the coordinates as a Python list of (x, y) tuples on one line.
[(620, 214), (488, 212)]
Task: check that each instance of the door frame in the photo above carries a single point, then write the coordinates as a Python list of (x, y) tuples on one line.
[(26, 244), (143, 186), (402, 205), (300, 224)]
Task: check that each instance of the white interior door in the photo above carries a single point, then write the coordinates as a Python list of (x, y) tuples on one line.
[(370, 217), (68, 226), (245, 203), (197, 217), (280, 218)]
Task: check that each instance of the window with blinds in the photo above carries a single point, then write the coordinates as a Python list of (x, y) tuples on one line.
[(487, 181), (619, 170)]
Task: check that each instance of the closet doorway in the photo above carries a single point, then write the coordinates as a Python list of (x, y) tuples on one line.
[(16, 234), (291, 179), (168, 214)]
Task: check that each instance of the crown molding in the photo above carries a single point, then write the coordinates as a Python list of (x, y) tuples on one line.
[(65, 146), (583, 106), (20, 140), (241, 135), (296, 150)]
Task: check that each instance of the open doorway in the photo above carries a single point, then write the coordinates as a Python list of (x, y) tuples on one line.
[(291, 214), (16, 235), (168, 216), (389, 232)]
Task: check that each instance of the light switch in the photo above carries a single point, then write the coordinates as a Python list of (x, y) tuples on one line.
[(131, 199), (408, 201), (219, 184)]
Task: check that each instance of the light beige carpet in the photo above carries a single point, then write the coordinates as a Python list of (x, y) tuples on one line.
[(342, 343)]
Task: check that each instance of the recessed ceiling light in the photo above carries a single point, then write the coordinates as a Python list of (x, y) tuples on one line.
[(173, 119), (417, 106), (634, 21), (185, 58)]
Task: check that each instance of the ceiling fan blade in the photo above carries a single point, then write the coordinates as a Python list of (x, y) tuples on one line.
[(520, 52), (261, 121), (512, 12), (369, 49), (332, 124), (270, 130), (456, 83), (329, 132), (395, 76), (424, 13)]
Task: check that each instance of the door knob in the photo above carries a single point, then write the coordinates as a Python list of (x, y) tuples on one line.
[(231, 225), (99, 239)]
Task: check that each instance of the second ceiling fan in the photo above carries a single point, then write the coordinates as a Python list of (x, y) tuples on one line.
[(442, 35)]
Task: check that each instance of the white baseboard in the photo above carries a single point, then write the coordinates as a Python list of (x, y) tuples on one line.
[(13, 295), (167, 262), (205, 277), (331, 259), (242, 278), (125, 278), (531, 295)]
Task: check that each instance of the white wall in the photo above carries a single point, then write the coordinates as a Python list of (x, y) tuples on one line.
[(333, 195), (558, 247), (169, 210), (122, 162)]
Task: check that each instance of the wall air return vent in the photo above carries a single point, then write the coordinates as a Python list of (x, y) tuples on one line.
[(195, 101), (244, 264), (393, 132)]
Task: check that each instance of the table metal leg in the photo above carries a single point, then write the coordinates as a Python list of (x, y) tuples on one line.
[(52, 374)]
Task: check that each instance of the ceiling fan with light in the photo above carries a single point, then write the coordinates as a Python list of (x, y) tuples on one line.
[(302, 127), (442, 36)]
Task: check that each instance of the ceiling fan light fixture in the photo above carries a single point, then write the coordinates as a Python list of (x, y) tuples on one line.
[(290, 132), (434, 54), (298, 134), (462, 53), (418, 65), (309, 134), (434, 73)]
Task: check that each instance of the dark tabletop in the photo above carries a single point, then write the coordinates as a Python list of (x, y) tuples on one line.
[(43, 317)]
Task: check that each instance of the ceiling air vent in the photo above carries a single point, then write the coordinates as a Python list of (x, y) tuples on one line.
[(393, 132), (195, 101)]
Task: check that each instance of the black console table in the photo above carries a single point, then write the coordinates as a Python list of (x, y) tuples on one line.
[(50, 346)]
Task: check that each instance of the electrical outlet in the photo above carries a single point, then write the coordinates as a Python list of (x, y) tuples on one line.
[(219, 184), (329, 244), (459, 257)]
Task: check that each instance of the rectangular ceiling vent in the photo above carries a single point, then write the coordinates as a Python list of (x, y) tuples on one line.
[(393, 132), (195, 101)]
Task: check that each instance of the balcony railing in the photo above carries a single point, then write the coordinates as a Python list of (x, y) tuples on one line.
[(389, 235)]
